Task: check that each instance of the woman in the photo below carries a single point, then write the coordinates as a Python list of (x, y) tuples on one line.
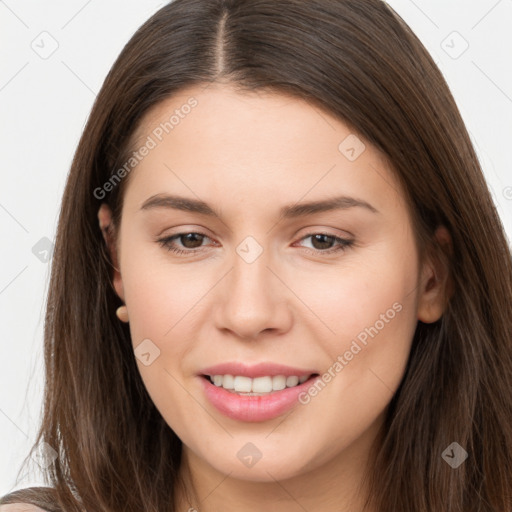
[(282, 206)]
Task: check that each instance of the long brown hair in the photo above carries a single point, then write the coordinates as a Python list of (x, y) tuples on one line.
[(359, 61)]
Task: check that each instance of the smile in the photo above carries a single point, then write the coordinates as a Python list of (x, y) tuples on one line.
[(258, 386), (254, 393)]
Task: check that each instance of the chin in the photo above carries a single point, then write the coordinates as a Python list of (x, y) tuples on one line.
[(262, 461)]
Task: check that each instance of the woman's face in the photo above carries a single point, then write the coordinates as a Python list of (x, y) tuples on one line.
[(299, 262)]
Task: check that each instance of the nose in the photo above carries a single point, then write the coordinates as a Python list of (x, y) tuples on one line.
[(253, 300)]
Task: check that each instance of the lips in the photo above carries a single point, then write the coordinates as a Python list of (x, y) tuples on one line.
[(255, 393)]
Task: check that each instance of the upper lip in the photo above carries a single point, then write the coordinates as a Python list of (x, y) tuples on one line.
[(256, 370)]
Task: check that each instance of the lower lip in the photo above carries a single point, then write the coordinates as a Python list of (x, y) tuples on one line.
[(254, 408)]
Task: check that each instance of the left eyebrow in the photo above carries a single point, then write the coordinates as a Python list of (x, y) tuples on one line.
[(287, 212), (335, 203)]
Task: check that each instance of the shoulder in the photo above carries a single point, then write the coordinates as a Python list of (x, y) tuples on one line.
[(31, 499), (20, 507)]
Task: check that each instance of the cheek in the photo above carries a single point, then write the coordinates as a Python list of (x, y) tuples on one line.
[(161, 310), (160, 294), (368, 287), (373, 315), (370, 308)]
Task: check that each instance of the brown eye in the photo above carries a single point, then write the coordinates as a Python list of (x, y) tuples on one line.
[(324, 243), (188, 242), (191, 240)]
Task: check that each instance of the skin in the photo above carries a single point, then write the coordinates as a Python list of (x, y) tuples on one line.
[(20, 507), (248, 155)]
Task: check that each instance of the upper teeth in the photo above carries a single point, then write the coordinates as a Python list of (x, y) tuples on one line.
[(241, 384)]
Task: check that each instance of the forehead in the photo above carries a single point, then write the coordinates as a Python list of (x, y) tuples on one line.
[(226, 100), (261, 120), (218, 140)]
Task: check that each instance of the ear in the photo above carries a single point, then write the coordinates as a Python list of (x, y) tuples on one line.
[(109, 235), (436, 286)]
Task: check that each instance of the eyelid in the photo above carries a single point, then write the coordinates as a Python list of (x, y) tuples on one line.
[(184, 229), (341, 243), (315, 229)]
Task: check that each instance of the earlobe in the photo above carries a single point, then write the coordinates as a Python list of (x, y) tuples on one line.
[(107, 230), (435, 282)]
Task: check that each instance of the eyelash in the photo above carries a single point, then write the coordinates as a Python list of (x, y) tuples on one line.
[(344, 244)]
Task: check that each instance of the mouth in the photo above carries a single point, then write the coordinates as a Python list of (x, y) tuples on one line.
[(257, 386), (255, 394)]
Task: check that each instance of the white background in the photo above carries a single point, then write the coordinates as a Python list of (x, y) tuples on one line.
[(45, 102)]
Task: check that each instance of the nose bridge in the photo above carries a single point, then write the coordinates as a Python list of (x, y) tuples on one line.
[(253, 297), (250, 278)]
